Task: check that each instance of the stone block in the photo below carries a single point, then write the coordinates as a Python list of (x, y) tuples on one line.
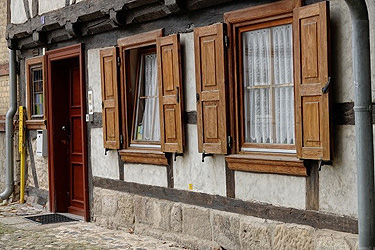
[(226, 230), (255, 234), (143, 210), (176, 218), (196, 222), (162, 215), (292, 237), (327, 240), (109, 202), (96, 209), (125, 210)]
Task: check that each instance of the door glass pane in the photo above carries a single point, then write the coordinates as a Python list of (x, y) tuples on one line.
[(147, 120), (268, 85)]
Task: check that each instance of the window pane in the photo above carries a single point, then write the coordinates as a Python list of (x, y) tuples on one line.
[(268, 85), (37, 91), (147, 120)]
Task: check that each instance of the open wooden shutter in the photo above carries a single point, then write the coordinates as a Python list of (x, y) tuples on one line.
[(210, 80), (310, 24), (170, 94), (110, 104)]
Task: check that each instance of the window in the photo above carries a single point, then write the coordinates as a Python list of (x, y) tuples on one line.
[(142, 113), (267, 86), (146, 121), (278, 66), (37, 99), (35, 93)]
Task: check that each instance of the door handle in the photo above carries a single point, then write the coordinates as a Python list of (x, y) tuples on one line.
[(63, 128)]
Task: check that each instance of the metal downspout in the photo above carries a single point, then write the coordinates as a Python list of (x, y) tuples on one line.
[(9, 178), (363, 123)]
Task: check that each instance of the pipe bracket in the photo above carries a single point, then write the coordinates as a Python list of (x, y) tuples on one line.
[(363, 108)]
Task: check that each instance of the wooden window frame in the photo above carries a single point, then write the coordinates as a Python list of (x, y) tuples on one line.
[(37, 122), (257, 17), (144, 155)]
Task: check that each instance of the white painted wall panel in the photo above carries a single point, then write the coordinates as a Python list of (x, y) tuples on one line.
[(18, 12), (48, 5), (279, 190), (338, 183), (188, 64), (146, 174), (106, 166), (94, 79), (206, 177)]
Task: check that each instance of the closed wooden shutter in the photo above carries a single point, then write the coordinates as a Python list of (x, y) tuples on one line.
[(311, 78), (170, 94), (210, 80), (110, 104)]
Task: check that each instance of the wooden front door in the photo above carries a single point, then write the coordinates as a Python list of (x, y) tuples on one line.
[(76, 194), (66, 128)]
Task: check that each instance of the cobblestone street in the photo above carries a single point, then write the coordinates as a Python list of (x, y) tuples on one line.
[(19, 233)]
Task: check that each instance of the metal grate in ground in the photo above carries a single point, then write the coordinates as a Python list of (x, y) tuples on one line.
[(49, 218)]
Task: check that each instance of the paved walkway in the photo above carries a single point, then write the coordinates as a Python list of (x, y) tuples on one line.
[(19, 233)]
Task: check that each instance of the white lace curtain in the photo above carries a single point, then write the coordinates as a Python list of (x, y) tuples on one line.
[(268, 85), (150, 119)]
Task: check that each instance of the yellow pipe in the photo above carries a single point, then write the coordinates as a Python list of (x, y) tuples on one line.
[(22, 153)]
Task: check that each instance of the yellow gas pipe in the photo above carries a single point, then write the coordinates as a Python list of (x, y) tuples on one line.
[(21, 146)]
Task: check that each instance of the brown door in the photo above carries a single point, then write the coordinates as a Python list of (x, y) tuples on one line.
[(76, 195), (67, 146)]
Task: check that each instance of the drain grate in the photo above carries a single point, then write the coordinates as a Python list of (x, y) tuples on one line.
[(49, 218)]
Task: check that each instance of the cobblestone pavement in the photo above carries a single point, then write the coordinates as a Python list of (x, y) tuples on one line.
[(19, 233)]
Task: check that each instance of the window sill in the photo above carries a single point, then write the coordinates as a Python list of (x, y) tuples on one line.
[(36, 124), (143, 157), (267, 163)]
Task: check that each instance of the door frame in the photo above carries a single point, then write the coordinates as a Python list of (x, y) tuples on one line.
[(51, 56)]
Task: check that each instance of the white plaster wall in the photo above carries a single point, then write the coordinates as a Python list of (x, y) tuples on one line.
[(188, 70), (94, 79), (146, 174), (18, 12), (338, 183), (279, 190), (206, 177), (48, 5), (106, 166)]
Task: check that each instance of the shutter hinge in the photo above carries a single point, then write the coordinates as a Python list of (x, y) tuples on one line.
[(229, 142), (118, 61), (121, 139), (226, 41), (102, 105)]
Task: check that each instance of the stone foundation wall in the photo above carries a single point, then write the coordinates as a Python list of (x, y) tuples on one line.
[(202, 228)]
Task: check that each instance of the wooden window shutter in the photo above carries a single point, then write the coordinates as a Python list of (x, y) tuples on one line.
[(310, 24), (170, 94), (110, 98), (210, 73)]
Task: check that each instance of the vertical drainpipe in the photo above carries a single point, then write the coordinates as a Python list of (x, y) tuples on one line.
[(363, 123), (9, 176)]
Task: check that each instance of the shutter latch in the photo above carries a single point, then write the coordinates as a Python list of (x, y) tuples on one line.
[(229, 142), (226, 41), (177, 95), (177, 154), (204, 155), (121, 139), (326, 87), (118, 61), (322, 163)]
